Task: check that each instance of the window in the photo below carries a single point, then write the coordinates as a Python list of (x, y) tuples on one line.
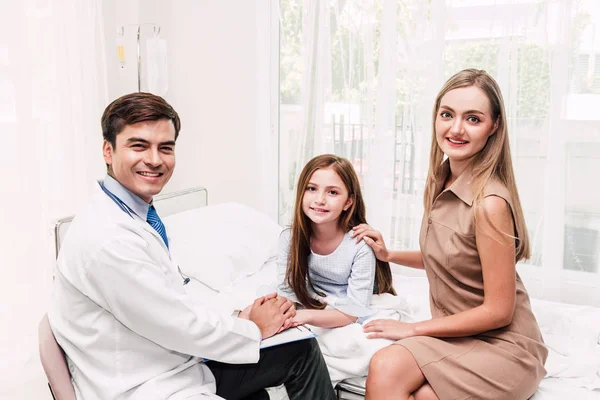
[(359, 78)]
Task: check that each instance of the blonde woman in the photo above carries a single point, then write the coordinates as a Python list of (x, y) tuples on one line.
[(483, 341)]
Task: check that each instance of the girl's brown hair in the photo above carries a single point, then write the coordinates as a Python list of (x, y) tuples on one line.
[(297, 276), (493, 161)]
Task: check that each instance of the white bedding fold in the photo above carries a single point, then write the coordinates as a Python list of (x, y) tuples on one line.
[(347, 350)]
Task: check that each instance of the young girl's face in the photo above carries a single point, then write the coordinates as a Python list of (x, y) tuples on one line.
[(325, 197), (464, 122)]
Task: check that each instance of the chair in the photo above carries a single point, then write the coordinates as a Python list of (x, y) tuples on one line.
[(54, 363)]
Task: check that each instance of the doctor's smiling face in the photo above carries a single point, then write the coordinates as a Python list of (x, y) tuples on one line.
[(143, 157), (140, 130)]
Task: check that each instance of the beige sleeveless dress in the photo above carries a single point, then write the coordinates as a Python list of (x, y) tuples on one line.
[(506, 363)]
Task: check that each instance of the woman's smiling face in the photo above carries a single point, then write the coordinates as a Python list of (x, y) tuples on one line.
[(464, 122)]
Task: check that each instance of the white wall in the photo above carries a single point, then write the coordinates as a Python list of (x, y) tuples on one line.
[(219, 83), (219, 77), (213, 85)]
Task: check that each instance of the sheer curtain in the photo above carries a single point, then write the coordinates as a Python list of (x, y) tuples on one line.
[(52, 93), (360, 78)]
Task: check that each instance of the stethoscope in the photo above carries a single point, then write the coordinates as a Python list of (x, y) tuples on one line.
[(129, 212)]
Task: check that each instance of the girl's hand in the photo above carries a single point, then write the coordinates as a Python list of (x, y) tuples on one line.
[(389, 329), (302, 317), (373, 238), (288, 323)]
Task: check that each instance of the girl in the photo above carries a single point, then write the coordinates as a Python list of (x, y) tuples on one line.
[(319, 264), (483, 341)]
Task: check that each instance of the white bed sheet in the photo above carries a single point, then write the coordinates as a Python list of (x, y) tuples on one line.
[(571, 332), (554, 389), (236, 295)]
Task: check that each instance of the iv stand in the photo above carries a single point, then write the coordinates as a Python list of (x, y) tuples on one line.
[(121, 32), (139, 61)]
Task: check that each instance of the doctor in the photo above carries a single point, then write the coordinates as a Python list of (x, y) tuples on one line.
[(119, 309)]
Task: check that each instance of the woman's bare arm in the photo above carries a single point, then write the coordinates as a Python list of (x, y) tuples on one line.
[(373, 238), (497, 254)]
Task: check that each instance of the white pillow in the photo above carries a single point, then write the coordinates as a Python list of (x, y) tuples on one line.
[(220, 244)]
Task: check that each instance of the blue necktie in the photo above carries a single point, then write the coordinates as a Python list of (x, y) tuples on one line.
[(155, 222)]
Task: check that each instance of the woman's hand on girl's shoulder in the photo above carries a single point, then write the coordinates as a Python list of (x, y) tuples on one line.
[(389, 329), (373, 238)]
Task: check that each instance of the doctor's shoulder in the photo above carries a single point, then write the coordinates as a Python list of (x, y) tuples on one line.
[(93, 226)]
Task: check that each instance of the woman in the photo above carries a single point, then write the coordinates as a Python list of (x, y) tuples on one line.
[(483, 341)]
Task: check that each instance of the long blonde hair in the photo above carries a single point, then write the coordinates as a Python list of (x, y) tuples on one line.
[(493, 161), (296, 275)]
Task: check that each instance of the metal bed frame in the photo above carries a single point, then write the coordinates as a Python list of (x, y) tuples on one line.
[(351, 389)]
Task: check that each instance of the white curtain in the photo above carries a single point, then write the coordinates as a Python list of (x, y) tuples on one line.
[(379, 65), (52, 93)]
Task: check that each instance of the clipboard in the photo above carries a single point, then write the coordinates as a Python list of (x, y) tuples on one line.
[(294, 334)]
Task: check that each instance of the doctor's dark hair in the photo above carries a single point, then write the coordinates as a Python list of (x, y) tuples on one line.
[(297, 276), (133, 108)]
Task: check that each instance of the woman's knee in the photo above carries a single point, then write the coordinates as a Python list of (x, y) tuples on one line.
[(386, 361), (393, 370), (397, 362)]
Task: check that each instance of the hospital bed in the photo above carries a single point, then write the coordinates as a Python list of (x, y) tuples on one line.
[(243, 243)]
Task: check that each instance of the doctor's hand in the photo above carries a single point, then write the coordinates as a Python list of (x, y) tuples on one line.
[(373, 238), (272, 314)]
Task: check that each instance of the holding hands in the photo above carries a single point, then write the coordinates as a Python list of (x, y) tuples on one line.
[(271, 313), (373, 238)]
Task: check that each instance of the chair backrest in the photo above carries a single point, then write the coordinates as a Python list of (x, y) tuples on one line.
[(54, 363)]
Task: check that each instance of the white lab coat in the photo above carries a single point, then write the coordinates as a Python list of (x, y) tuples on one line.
[(120, 312)]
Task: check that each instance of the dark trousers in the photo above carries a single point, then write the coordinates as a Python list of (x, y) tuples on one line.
[(298, 365)]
